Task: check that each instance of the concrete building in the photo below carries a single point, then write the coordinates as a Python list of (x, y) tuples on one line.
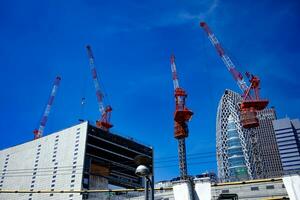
[(288, 139), (244, 154), (77, 158), (246, 190)]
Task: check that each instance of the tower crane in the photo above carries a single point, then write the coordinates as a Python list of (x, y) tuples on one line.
[(105, 111), (39, 132), (181, 116), (251, 102)]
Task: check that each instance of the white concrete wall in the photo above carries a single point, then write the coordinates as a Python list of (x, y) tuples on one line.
[(51, 162)]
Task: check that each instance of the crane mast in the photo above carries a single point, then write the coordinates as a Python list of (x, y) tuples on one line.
[(38, 133), (105, 111), (181, 116), (251, 101)]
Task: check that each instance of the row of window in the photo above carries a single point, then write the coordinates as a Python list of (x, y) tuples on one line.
[(256, 188), (55, 164), (35, 170), (4, 170), (75, 156)]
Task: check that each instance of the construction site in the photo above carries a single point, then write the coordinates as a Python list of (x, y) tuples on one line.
[(88, 160)]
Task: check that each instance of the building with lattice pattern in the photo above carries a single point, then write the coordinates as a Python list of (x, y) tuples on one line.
[(238, 156)]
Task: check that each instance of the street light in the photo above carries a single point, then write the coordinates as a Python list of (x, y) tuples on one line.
[(143, 171)]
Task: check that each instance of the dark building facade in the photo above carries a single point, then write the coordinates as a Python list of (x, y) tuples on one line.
[(267, 144)]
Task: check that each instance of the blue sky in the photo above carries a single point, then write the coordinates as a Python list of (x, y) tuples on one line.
[(132, 42)]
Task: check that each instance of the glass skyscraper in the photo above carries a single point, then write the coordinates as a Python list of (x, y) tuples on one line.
[(236, 160), (288, 139)]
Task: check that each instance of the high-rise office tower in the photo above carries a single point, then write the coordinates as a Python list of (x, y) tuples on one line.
[(268, 147), (245, 153), (288, 139)]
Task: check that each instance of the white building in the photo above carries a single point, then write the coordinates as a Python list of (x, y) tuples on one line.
[(76, 158)]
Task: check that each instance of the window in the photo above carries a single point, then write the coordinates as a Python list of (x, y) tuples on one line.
[(75, 154), (283, 186), (57, 136), (76, 149), (34, 173), (54, 152), (72, 185), (225, 191), (35, 165), (6, 162), (51, 195), (39, 145), (55, 148), (76, 141), (56, 163), (73, 176), (56, 140), (53, 160), (72, 181), (254, 188), (33, 177), (55, 168), (37, 161), (38, 153), (54, 176), (268, 187), (53, 181), (74, 163), (77, 137), (32, 186), (33, 181), (71, 195), (54, 156), (76, 145), (52, 185)]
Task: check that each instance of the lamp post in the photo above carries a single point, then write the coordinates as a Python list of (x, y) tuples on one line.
[(143, 171)]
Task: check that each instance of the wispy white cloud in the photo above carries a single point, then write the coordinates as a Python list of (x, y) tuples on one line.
[(187, 16)]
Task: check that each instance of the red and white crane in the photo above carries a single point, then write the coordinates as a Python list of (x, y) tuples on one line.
[(181, 116), (105, 111), (39, 132), (251, 101)]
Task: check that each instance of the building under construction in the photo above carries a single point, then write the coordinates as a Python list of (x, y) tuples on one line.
[(82, 157)]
